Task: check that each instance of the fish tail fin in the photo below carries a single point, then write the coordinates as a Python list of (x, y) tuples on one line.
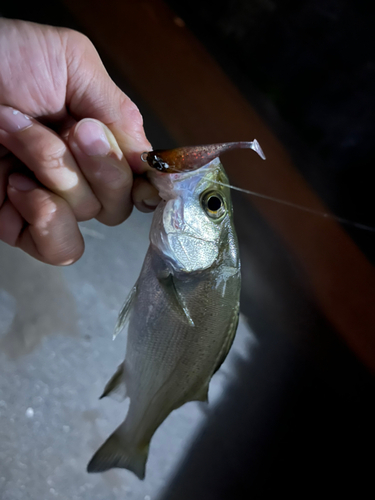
[(114, 453)]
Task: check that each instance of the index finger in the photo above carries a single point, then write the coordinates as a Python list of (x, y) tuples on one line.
[(91, 93)]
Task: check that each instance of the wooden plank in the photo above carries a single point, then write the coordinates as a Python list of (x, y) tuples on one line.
[(197, 103)]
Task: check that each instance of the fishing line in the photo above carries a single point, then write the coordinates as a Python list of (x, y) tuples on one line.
[(299, 207)]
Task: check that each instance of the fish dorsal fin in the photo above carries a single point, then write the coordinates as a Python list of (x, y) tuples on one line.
[(116, 386), (230, 338), (124, 313)]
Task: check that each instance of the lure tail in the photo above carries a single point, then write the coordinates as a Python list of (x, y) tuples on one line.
[(114, 453)]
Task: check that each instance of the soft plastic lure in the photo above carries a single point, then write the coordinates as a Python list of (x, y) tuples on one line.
[(190, 158)]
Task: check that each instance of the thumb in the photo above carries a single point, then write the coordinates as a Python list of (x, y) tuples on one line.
[(91, 93)]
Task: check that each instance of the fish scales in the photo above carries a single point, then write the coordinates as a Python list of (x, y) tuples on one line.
[(174, 372)]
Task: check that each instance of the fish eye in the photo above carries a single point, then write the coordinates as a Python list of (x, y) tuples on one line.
[(214, 205)]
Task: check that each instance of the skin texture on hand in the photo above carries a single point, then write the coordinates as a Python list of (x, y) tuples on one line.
[(70, 142)]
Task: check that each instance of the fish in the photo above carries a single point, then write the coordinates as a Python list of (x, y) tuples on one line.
[(182, 313)]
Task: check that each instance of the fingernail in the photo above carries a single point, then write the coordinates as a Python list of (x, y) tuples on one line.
[(21, 182), (152, 202), (12, 120), (91, 139)]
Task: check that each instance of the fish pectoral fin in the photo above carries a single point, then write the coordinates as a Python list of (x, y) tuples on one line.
[(182, 304), (169, 285), (116, 386), (115, 454), (124, 312)]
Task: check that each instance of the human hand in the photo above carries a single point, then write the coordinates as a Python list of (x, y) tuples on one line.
[(70, 141)]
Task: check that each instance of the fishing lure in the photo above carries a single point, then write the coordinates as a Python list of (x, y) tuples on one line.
[(191, 158)]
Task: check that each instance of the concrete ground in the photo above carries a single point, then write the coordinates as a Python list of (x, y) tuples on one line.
[(57, 353)]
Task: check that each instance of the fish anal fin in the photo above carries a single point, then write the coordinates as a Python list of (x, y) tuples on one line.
[(114, 454), (202, 394), (116, 386), (124, 312)]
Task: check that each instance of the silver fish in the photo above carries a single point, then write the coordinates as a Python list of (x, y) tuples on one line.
[(182, 313)]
